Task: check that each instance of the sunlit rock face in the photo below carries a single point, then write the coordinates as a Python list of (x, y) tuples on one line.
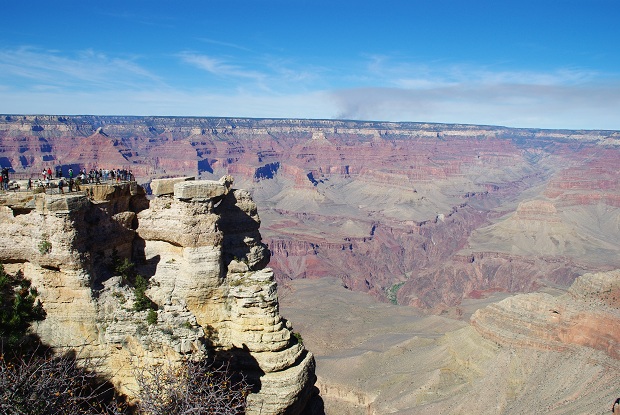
[(553, 352), (199, 246), (420, 214), (587, 315)]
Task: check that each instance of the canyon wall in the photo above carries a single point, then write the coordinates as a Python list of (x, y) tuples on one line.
[(198, 245), (414, 213)]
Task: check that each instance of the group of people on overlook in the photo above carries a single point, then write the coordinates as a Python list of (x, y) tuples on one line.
[(73, 180)]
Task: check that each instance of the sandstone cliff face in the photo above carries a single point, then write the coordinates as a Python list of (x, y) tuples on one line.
[(198, 244)]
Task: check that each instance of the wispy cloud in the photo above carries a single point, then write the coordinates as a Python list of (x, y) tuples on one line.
[(220, 66), (376, 88), (390, 72), (85, 69), (225, 44), (272, 75)]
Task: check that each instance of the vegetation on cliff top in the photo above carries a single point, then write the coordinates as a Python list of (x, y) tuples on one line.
[(19, 307)]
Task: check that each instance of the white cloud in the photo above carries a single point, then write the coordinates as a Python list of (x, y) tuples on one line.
[(219, 66), (386, 72), (225, 44), (86, 69), (515, 105)]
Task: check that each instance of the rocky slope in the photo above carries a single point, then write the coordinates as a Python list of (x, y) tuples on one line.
[(587, 315), (198, 244), (526, 354), (420, 214)]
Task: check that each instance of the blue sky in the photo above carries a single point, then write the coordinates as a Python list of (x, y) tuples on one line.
[(544, 63)]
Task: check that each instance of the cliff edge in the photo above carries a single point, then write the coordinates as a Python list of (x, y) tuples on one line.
[(198, 245)]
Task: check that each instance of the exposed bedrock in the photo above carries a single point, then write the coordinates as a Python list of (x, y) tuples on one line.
[(587, 315), (527, 354), (199, 246), (389, 208)]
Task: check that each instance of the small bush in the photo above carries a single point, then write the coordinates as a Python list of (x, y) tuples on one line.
[(123, 268), (191, 388), (141, 329), (127, 271), (151, 317), (141, 301), (18, 307), (119, 296), (45, 246), (43, 384), (297, 336), (236, 283)]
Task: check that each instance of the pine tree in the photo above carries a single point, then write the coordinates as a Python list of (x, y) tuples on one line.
[(19, 307)]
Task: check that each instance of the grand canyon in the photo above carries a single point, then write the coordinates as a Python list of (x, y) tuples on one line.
[(430, 268)]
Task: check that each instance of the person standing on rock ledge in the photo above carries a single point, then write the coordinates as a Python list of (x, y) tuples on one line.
[(5, 178), (615, 408)]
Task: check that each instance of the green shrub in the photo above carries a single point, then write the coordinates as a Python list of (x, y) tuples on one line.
[(297, 336), (236, 283), (393, 291), (18, 307), (45, 246), (127, 271), (151, 317), (119, 296), (141, 301)]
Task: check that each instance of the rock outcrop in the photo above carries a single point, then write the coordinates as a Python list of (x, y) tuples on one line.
[(527, 354), (199, 246), (587, 315)]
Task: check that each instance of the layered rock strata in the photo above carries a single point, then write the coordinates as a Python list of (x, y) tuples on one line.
[(199, 246), (587, 315), (388, 208), (527, 354)]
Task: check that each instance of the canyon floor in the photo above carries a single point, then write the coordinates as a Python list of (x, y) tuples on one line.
[(379, 358)]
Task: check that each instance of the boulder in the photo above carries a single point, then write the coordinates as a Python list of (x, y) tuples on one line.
[(160, 187), (200, 191)]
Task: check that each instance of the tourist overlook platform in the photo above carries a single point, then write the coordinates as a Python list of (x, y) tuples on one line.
[(40, 197)]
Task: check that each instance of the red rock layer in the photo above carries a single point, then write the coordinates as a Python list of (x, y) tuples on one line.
[(387, 207), (589, 315)]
